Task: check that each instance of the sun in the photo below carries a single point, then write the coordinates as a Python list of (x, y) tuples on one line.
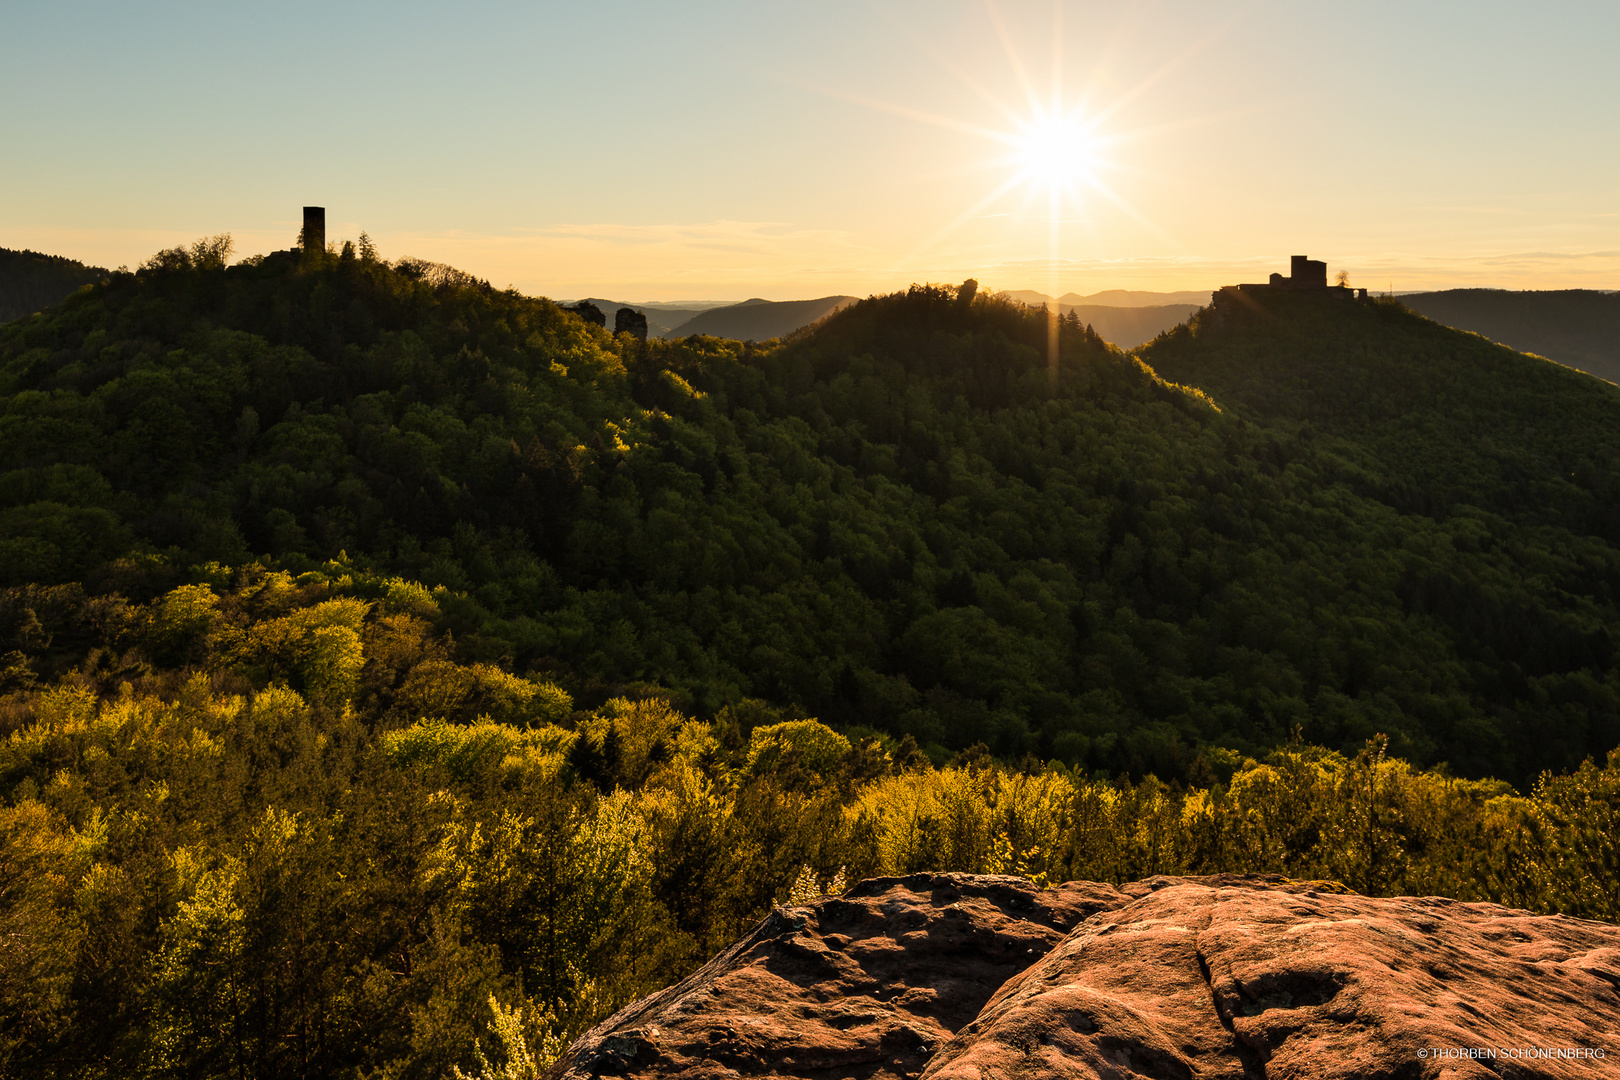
[(1062, 146), (1055, 151)]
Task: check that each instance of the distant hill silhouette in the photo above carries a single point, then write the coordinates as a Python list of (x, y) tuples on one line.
[(1127, 321), (1119, 298), (760, 320), (1120, 316), (1577, 327), (30, 281), (1129, 327)]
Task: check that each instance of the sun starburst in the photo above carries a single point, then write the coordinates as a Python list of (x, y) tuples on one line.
[(1055, 149)]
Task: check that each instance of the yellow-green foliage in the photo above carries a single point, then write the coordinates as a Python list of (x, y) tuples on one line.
[(446, 690), (468, 750), (201, 861), (410, 598), (517, 1059), (41, 868), (320, 645), (645, 729), (332, 662), (982, 820), (1579, 861), (186, 613), (806, 743), (206, 933)]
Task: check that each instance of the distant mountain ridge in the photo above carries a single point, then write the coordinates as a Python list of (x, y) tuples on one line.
[(1118, 298), (1123, 317), (661, 318), (31, 281), (1129, 327), (756, 319), (1576, 327), (760, 320)]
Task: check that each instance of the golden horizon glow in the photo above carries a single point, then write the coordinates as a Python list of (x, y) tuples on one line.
[(859, 151)]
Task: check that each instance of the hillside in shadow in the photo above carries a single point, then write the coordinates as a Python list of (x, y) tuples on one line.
[(1578, 327)]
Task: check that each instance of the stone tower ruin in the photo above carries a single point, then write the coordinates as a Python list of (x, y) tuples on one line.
[(314, 234)]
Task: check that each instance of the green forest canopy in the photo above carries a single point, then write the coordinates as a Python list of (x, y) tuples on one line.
[(398, 675), (1371, 525)]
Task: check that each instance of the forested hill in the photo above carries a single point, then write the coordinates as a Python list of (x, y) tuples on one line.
[(759, 320), (31, 282), (1578, 327), (1492, 481), (1377, 525)]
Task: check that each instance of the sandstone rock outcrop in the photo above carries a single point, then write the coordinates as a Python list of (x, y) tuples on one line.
[(630, 321), (589, 312), (868, 984), (1228, 977)]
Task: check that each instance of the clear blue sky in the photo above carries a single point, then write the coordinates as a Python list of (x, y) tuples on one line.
[(729, 149)]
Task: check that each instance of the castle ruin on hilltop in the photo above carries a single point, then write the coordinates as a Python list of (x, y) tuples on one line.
[(1305, 274)]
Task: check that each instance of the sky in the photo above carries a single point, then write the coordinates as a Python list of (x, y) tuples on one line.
[(716, 150)]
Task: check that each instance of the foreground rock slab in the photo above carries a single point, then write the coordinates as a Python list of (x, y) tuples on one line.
[(1228, 980), (866, 985), (954, 977)]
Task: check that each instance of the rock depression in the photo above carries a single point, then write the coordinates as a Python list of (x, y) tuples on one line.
[(957, 977)]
